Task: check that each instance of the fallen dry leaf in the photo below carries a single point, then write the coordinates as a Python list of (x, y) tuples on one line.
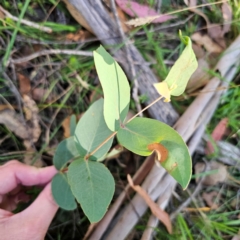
[(207, 42), (227, 16), (200, 77), (24, 84), (210, 180), (14, 123), (217, 134), (135, 9), (79, 35), (193, 3), (34, 130), (156, 210), (142, 21), (31, 115), (38, 94), (215, 32), (209, 198), (66, 124), (198, 50)]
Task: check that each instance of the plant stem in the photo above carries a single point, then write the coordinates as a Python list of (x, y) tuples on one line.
[(105, 141), (148, 106), (114, 133)]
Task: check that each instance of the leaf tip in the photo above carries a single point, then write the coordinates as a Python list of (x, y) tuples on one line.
[(184, 39)]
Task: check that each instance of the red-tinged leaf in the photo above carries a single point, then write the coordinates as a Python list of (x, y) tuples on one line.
[(155, 209), (135, 9), (217, 134)]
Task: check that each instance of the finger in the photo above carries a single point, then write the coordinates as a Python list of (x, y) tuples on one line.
[(41, 212), (15, 173)]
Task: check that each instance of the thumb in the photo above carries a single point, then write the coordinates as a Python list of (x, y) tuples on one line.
[(41, 212)]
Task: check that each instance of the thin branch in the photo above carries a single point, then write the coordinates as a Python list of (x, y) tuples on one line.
[(26, 22), (145, 108), (97, 148), (51, 51)]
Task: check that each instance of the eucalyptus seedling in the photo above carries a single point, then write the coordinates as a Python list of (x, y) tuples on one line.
[(82, 177)]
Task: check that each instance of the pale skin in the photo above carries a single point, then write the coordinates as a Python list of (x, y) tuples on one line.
[(33, 222)]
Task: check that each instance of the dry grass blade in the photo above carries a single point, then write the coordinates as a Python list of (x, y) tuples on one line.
[(156, 210)]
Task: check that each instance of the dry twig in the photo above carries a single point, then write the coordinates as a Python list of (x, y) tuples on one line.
[(26, 22), (51, 51)]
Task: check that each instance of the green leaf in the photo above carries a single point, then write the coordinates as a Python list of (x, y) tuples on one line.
[(66, 150), (180, 73), (93, 186), (140, 132), (62, 193), (91, 131), (115, 88)]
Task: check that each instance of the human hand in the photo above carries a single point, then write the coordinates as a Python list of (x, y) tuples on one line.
[(33, 222)]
